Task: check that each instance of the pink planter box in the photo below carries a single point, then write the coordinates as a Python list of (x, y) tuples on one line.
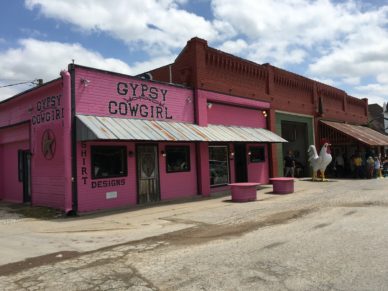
[(244, 192), (282, 185)]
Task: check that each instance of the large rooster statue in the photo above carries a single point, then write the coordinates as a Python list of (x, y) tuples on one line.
[(319, 162)]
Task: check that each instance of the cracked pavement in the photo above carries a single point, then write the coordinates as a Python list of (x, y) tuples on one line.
[(325, 236)]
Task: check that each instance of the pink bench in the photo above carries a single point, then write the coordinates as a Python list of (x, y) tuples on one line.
[(244, 192), (282, 185)]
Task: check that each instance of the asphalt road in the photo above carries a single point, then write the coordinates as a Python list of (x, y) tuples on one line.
[(325, 236)]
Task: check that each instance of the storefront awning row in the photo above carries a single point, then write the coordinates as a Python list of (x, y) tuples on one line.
[(107, 128), (362, 134)]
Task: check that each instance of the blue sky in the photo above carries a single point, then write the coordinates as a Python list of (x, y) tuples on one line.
[(341, 43)]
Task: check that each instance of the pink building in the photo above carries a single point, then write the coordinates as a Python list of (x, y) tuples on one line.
[(93, 140)]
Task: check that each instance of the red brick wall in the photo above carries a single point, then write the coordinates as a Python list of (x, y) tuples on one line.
[(211, 69)]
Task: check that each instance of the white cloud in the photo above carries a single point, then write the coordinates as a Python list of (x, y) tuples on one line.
[(363, 53), (383, 77), (341, 43), (351, 80), (141, 67), (155, 26), (282, 32), (234, 46), (327, 81), (33, 33), (40, 59), (295, 22), (375, 92)]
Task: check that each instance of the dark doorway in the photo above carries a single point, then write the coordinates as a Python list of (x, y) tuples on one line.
[(240, 162), (147, 173), (24, 159), (296, 135)]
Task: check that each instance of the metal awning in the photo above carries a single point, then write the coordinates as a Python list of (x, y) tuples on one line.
[(90, 127), (363, 134)]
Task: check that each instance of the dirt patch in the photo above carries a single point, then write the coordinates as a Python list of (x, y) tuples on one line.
[(37, 261), (204, 233), (321, 225), (350, 213), (199, 234), (365, 204), (274, 245), (38, 212)]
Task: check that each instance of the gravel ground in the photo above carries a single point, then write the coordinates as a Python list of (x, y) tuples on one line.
[(325, 236)]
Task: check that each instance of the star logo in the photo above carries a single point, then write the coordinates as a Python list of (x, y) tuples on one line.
[(48, 144)]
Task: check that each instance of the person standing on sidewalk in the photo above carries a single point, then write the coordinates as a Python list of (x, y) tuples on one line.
[(377, 168), (357, 166), (289, 164), (339, 165), (370, 164)]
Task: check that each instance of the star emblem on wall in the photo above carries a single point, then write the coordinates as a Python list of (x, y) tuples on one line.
[(48, 144)]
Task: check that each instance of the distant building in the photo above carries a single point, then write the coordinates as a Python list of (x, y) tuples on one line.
[(376, 117), (303, 111)]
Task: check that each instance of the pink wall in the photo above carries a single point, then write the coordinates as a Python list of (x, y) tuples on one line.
[(92, 192), (28, 106), (232, 115), (43, 109), (12, 139), (240, 111), (232, 110), (15, 133), (258, 172), (10, 187), (48, 179), (115, 95), (180, 184), (48, 173)]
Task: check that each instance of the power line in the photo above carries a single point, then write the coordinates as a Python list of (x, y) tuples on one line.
[(33, 82)]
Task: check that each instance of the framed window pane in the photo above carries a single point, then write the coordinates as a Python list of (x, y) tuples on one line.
[(219, 165), (177, 159), (108, 161), (257, 154)]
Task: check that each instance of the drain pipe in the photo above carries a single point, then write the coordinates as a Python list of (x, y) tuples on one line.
[(67, 163), (170, 74)]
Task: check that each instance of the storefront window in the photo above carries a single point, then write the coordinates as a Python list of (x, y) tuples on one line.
[(219, 165), (257, 154), (108, 161), (177, 159)]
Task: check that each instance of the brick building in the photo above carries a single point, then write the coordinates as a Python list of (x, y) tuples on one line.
[(303, 111), (94, 139)]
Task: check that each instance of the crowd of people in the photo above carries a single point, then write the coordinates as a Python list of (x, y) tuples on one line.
[(366, 165), (359, 166)]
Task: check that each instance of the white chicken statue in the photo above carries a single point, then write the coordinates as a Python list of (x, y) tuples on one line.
[(319, 162)]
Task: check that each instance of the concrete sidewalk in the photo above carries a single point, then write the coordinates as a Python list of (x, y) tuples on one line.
[(26, 237)]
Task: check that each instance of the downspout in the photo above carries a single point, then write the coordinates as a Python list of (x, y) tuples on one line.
[(170, 74), (67, 163)]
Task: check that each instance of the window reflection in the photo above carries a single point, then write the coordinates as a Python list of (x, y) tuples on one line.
[(219, 165)]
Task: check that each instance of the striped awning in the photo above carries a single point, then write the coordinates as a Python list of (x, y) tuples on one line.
[(360, 133), (90, 127)]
